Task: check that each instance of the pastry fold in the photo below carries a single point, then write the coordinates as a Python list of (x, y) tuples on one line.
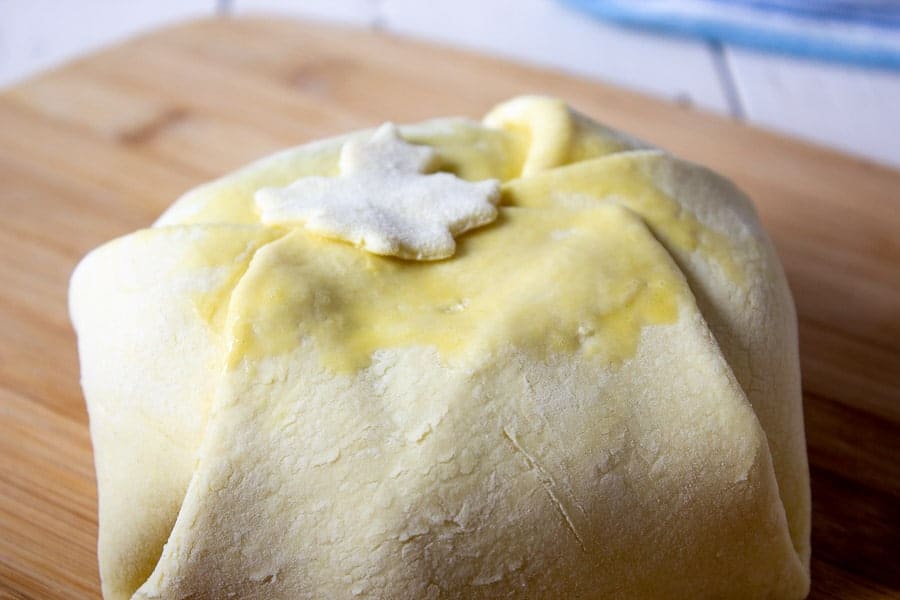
[(597, 396)]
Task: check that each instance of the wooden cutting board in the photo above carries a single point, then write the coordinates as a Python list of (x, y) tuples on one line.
[(99, 147)]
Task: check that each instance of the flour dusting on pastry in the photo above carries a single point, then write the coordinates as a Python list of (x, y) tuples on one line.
[(595, 396)]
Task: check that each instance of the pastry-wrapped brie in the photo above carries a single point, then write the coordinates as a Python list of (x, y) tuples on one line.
[(528, 357)]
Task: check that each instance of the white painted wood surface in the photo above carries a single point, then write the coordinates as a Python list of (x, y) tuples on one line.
[(39, 34), (545, 33), (852, 109), (362, 13), (857, 110)]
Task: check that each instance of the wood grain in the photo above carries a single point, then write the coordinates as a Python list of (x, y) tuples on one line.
[(98, 148)]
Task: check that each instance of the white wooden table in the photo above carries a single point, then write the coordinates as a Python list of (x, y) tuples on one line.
[(853, 109)]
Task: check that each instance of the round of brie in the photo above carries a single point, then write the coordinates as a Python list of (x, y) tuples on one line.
[(529, 357)]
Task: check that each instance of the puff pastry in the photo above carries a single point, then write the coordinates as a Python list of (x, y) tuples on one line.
[(596, 396)]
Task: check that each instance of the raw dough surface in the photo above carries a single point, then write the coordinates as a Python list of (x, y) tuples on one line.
[(597, 395)]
